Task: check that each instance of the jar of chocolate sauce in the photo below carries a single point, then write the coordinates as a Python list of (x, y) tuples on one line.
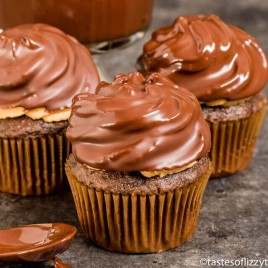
[(92, 22)]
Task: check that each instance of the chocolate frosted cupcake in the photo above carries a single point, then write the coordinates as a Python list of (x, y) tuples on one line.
[(41, 69), (226, 69), (139, 165)]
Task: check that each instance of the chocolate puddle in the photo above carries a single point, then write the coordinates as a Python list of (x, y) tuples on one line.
[(36, 242)]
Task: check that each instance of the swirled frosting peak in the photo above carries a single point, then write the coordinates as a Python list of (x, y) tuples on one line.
[(40, 66), (136, 124), (212, 59)]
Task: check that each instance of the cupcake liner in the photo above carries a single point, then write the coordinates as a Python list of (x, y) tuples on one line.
[(133, 223), (33, 166), (233, 143)]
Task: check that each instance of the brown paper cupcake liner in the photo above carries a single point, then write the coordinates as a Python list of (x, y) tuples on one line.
[(233, 143), (33, 166), (134, 223)]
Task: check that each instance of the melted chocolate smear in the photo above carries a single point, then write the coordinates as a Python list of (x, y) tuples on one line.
[(59, 264)]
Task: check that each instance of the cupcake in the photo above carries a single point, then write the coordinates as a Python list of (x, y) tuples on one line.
[(226, 70), (139, 164), (41, 69)]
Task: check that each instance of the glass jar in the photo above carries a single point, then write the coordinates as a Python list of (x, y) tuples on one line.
[(92, 22)]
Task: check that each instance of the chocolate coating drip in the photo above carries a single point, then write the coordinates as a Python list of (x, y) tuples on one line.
[(210, 58), (136, 124), (40, 66), (59, 264)]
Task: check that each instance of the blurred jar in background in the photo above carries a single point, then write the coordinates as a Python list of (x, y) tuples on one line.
[(90, 21)]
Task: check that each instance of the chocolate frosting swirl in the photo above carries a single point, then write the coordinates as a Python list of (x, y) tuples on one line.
[(210, 58), (40, 66), (136, 124)]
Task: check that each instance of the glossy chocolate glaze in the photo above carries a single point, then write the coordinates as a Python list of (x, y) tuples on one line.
[(212, 59), (136, 124), (87, 20), (36, 242), (40, 66)]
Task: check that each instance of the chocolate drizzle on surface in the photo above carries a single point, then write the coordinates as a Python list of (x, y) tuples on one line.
[(40, 66), (59, 264), (212, 59), (136, 124)]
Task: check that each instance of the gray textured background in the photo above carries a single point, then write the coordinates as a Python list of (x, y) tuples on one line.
[(233, 223)]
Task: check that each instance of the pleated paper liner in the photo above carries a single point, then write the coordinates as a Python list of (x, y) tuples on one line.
[(33, 166), (233, 143), (136, 223)]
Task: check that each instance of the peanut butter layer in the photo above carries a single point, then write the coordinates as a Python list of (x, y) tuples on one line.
[(37, 113), (25, 127), (134, 182), (165, 172), (223, 102), (234, 112)]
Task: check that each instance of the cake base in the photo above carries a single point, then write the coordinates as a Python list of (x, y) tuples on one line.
[(138, 223), (234, 132)]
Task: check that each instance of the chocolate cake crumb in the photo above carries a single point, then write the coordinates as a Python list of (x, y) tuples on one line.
[(25, 127), (134, 182), (235, 112)]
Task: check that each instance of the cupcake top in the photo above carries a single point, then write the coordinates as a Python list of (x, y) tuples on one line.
[(212, 59), (41, 69), (136, 124)]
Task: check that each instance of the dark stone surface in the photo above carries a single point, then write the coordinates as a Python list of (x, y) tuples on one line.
[(233, 223)]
